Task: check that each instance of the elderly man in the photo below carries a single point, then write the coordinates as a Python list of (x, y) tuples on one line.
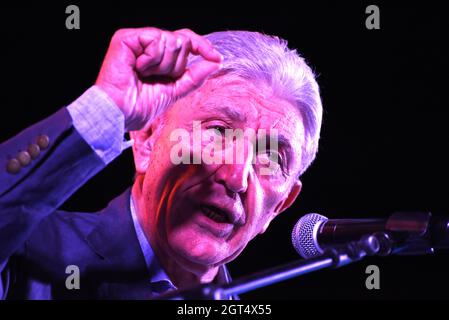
[(181, 222)]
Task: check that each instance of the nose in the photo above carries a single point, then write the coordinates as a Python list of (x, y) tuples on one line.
[(234, 173)]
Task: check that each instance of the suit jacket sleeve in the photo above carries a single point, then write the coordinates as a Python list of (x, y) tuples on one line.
[(69, 154)]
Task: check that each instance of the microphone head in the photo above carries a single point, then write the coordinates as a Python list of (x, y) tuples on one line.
[(304, 235)]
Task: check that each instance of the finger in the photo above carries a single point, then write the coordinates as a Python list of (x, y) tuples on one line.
[(181, 62), (152, 56), (201, 46), (136, 39), (171, 52), (195, 76)]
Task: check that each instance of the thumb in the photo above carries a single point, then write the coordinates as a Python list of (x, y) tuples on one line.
[(195, 76)]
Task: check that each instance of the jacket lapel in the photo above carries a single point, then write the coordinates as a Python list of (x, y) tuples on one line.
[(121, 272)]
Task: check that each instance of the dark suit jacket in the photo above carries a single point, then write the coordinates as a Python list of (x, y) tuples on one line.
[(38, 242)]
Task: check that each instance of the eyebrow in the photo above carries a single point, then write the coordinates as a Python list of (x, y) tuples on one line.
[(283, 144), (283, 141), (229, 112), (233, 114)]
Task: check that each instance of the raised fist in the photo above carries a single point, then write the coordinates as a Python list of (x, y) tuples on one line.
[(145, 71)]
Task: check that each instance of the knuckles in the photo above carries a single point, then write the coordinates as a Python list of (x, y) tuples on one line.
[(172, 37), (185, 30), (126, 33), (186, 42), (120, 34)]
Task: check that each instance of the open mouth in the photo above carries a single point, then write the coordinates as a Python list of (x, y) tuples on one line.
[(215, 214)]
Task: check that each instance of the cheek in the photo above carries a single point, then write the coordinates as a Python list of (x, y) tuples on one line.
[(265, 204), (275, 193), (160, 181)]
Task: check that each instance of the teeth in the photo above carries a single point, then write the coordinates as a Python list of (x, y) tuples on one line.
[(214, 215)]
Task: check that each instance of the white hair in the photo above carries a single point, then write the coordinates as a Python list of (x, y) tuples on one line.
[(259, 57)]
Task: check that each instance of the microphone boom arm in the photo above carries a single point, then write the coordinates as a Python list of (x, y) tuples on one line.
[(332, 258)]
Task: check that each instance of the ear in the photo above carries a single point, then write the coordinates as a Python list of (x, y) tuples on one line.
[(285, 204), (142, 147)]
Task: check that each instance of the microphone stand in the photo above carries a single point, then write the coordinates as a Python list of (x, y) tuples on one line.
[(376, 244)]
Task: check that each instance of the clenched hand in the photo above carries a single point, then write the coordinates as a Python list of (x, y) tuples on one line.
[(145, 71)]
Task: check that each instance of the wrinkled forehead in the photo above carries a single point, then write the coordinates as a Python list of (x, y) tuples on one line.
[(249, 102)]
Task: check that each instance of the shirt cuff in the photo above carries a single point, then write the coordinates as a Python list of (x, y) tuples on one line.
[(100, 122)]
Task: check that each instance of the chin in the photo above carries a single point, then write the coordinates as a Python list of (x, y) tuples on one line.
[(205, 252)]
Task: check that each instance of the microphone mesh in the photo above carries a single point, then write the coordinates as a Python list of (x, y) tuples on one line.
[(304, 237)]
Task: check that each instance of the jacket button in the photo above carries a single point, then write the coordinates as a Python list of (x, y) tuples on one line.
[(13, 166), (34, 150), (24, 158), (43, 141)]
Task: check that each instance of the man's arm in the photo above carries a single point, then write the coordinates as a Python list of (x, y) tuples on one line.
[(34, 190), (68, 148)]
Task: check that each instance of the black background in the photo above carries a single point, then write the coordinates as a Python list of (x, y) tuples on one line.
[(385, 129)]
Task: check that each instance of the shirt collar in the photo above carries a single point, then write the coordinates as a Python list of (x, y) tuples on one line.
[(157, 273)]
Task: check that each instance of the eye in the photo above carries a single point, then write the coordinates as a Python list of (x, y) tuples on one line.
[(270, 156), (218, 129), (272, 163), (275, 156)]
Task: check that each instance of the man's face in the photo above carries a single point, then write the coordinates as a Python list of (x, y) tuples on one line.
[(203, 215)]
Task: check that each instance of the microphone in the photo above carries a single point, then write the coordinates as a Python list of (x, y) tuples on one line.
[(313, 233)]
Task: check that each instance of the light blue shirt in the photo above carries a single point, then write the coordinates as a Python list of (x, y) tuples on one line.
[(158, 277), (100, 122)]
